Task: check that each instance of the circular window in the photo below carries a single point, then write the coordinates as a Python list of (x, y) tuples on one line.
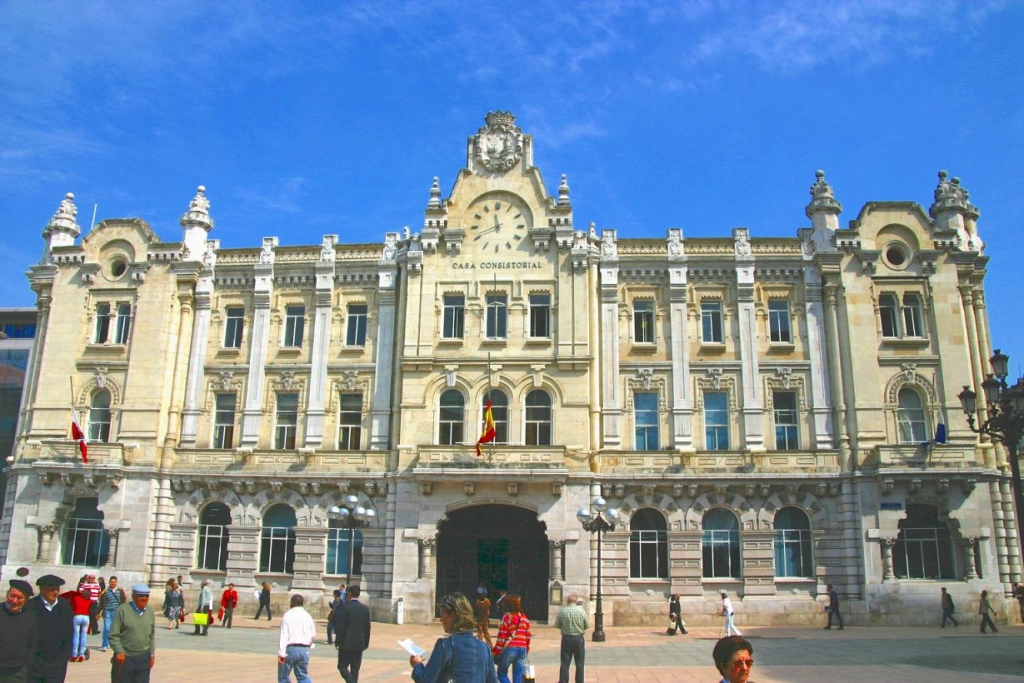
[(896, 255), (118, 267)]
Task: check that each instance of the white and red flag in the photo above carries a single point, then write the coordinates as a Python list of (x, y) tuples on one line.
[(78, 435)]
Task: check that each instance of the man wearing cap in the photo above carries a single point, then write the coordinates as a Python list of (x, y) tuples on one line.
[(133, 639), (17, 633), (53, 617)]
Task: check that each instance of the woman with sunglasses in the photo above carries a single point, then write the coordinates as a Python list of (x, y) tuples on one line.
[(460, 656), (734, 658)]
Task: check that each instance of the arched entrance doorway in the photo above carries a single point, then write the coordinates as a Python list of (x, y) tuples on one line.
[(500, 547)]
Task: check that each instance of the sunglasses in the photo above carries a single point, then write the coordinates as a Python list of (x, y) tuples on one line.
[(741, 663)]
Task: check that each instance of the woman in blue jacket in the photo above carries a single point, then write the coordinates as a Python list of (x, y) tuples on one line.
[(460, 655)]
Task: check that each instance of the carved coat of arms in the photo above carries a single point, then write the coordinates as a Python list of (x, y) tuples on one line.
[(499, 144)]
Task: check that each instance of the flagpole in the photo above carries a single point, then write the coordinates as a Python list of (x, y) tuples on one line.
[(490, 444)]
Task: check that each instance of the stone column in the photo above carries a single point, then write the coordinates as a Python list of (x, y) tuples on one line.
[(252, 413), (196, 360), (46, 532), (594, 345), (1000, 522), (836, 373), (380, 411), (970, 553), (887, 544), (611, 403), (823, 438), (427, 557), (557, 553), (753, 394), (1010, 522), (317, 398), (679, 349)]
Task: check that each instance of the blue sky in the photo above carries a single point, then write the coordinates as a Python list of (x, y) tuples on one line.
[(307, 118)]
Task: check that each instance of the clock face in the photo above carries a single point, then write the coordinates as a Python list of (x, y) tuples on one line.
[(497, 225)]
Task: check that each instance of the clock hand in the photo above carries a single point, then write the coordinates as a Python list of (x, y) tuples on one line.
[(497, 223)]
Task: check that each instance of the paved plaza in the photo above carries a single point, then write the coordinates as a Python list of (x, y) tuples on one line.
[(247, 654)]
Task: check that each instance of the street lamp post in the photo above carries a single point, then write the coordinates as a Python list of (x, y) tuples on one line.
[(1005, 423), (599, 518), (351, 515)]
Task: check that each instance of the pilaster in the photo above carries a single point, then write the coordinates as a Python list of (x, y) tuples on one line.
[(252, 414), (753, 397), (384, 363)]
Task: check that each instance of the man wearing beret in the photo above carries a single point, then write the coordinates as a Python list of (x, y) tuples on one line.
[(53, 622), (133, 639), (17, 633)]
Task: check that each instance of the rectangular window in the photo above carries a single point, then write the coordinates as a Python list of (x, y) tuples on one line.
[(497, 316), (716, 421), (102, 324), (711, 322), (787, 437), (356, 333), (889, 316), (643, 322), (648, 554), (295, 320), (213, 540), (778, 322), (793, 553), (287, 421), (224, 421), (913, 325), (122, 329), (645, 410), (233, 327), (454, 316), (540, 316), (350, 419)]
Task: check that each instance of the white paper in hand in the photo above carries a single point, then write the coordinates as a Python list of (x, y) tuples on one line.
[(412, 648)]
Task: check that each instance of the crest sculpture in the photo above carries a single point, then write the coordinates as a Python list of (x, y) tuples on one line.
[(499, 145)]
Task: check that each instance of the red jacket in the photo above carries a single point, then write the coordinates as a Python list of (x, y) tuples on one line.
[(229, 599), (80, 604)]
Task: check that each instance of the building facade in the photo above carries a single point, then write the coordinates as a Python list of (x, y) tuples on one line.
[(768, 415)]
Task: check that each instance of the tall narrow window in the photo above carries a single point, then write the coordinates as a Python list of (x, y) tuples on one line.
[(721, 545), (294, 323), (913, 319), (224, 421), (538, 418), (793, 543), (213, 537), (540, 316), (287, 421), (234, 323), (102, 323), (350, 419), (716, 421), (778, 321), (451, 418), (648, 545), (277, 539), (497, 316), (787, 433), (643, 322), (924, 547), (338, 549), (122, 330), (356, 333), (910, 417), (499, 410), (888, 312), (645, 412), (99, 416), (711, 322), (454, 316), (86, 542)]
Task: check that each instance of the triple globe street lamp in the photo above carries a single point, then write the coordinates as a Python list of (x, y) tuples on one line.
[(351, 515), (599, 518)]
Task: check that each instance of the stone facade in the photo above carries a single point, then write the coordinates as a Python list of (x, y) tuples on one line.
[(764, 413)]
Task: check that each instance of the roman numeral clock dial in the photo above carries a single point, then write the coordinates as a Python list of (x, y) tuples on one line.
[(497, 225)]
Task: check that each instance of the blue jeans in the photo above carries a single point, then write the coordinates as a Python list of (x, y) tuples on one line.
[(79, 634), (108, 620), (515, 657), (296, 658)]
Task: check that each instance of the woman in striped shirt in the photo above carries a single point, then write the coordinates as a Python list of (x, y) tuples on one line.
[(513, 643)]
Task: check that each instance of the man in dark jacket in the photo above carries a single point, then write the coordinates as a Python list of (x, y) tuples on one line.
[(351, 635), (833, 608), (17, 632), (53, 622)]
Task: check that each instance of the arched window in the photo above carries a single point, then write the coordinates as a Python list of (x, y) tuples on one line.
[(648, 545), (910, 417), (499, 410), (793, 543), (451, 418), (924, 549), (538, 418), (213, 537), (99, 416), (277, 539), (340, 541), (85, 541), (721, 545)]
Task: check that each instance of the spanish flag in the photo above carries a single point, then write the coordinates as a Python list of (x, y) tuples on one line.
[(78, 435), (489, 430)]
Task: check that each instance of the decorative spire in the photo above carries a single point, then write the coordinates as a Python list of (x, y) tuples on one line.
[(950, 195), (822, 198), (198, 213), (563, 192), (435, 195), (63, 220)]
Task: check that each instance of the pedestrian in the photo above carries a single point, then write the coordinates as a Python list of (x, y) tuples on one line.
[(80, 606), (332, 609), (133, 639), (93, 587), (987, 612), (352, 635), (298, 633), (111, 598), (1018, 592), (204, 605), (573, 621), (344, 595), (734, 658), (675, 616), (461, 656), (947, 609), (228, 603), (53, 638), (729, 613), (18, 633), (174, 604), (264, 601), (482, 613), (833, 608), (513, 643)]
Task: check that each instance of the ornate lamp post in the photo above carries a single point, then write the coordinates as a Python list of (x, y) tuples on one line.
[(351, 515), (1005, 422), (599, 518)]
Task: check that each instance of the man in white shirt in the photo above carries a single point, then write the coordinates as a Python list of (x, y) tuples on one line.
[(727, 612), (297, 636)]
